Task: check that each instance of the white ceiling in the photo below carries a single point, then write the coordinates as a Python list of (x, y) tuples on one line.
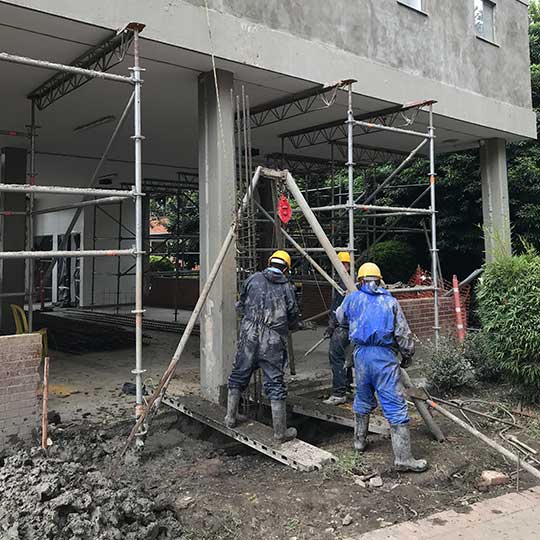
[(169, 98)]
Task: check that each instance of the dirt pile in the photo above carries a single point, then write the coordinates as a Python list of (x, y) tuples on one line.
[(71, 495)]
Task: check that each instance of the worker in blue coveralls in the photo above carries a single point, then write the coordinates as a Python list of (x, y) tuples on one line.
[(339, 343), (269, 311), (378, 330)]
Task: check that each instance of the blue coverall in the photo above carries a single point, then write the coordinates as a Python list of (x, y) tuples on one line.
[(337, 349), (378, 330), (269, 309)]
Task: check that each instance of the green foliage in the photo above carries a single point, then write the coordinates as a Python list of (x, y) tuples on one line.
[(396, 259), (160, 264), (477, 352), (449, 368), (509, 310)]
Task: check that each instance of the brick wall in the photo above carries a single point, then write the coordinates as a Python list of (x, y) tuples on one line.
[(19, 362), (419, 311)]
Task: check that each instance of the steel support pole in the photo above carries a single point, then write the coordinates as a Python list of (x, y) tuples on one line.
[(138, 311), (350, 167), (391, 129), (30, 217), (434, 250), (320, 234)]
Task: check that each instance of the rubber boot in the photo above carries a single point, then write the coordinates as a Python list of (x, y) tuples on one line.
[(401, 444), (279, 418), (361, 425), (232, 419)]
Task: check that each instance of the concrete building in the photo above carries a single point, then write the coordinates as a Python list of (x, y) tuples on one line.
[(470, 56)]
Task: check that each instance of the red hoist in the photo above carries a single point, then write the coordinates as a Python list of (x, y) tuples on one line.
[(284, 209)]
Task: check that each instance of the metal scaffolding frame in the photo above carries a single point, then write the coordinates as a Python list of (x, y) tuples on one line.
[(91, 65)]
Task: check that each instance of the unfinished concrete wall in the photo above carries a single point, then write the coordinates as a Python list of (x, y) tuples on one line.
[(397, 54), (20, 357)]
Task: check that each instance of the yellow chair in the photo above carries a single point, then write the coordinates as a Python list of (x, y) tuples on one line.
[(21, 326)]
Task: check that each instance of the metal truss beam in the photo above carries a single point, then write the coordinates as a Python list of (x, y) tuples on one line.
[(302, 165), (368, 155), (109, 53), (337, 129), (294, 105)]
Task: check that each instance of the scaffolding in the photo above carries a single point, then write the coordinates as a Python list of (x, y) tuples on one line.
[(91, 65)]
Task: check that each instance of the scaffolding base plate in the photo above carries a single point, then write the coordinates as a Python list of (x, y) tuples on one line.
[(296, 453)]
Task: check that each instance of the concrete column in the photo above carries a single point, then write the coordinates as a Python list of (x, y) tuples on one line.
[(216, 206), (12, 233), (495, 198)]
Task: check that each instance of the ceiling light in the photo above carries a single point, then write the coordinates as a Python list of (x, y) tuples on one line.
[(95, 123)]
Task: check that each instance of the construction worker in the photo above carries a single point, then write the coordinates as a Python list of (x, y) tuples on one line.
[(269, 310), (378, 330), (339, 343)]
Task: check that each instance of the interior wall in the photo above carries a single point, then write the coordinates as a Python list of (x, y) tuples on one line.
[(76, 172)]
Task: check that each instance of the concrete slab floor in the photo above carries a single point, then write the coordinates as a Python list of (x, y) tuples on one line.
[(89, 385)]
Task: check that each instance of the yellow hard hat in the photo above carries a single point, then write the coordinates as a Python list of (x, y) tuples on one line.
[(344, 257), (282, 256), (369, 270)]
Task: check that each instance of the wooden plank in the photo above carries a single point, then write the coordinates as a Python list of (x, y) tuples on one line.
[(296, 453), (315, 408)]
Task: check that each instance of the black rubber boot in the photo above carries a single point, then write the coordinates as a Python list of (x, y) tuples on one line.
[(401, 444), (233, 401), (361, 425), (279, 418)]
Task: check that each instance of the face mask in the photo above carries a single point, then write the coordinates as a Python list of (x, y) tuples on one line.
[(371, 286)]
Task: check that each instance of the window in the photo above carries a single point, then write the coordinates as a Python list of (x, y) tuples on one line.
[(415, 4), (484, 19)]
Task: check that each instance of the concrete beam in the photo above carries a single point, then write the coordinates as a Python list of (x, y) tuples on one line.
[(216, 206), (495, 202)]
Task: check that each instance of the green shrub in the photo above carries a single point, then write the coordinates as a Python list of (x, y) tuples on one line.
[(509, 310), (396, 259), (160, 264), (449, 368), (476, 350)]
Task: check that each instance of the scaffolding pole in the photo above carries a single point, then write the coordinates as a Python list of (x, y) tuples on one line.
[(93, 202), (138, 311), (30, 218), (350, 173), (434, 250)]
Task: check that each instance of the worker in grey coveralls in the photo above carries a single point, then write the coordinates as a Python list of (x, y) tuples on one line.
[(269, 310), (339, 344)]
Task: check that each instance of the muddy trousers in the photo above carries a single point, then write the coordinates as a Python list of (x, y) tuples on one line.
[(377, 371), (341, 376), (257, 349)]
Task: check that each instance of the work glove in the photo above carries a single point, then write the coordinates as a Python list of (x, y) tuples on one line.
[(406, 361), (329, 332)]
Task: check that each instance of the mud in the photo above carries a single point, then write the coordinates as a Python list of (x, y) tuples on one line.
[(190, 483)]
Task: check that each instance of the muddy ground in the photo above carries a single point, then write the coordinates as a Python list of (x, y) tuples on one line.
[(192, 483)]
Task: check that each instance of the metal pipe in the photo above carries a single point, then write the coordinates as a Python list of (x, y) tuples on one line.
[(7, 213), (319, 232), (138, 311), (12, 294), (466, 281), (93, 202), (30, 218), (45, 404), (62, 254), (303, 252), (62, 190), (374, 208), (5, 57), (350, 172), (380, 127), (434, 250), (490, 442), (92, 181), (161, 388), (396, 171)]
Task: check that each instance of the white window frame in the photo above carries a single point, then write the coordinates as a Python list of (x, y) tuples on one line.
[(419, 6), (482, 35)]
